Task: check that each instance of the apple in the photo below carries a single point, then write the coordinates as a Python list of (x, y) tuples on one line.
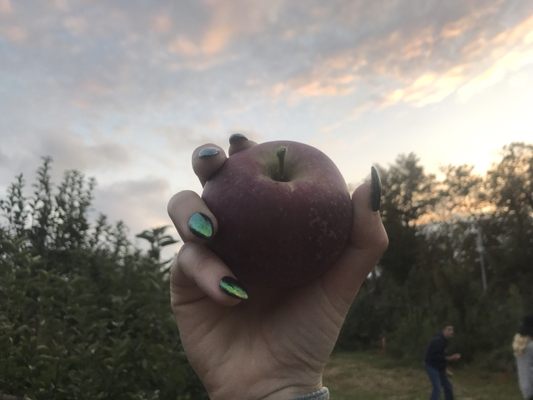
[(284, 214)]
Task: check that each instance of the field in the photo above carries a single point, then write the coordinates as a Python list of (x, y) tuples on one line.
[(372, 376)]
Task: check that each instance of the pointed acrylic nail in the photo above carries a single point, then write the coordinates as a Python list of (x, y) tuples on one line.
[(237, 137), (375, 192), (207, 152), (233, 288), (200, 225)]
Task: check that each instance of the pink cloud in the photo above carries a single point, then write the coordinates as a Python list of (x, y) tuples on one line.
[(14, 33), (5, 7)]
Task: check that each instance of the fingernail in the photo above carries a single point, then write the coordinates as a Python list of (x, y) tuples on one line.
[(237, 137), (232, 287), (208, 152), (375, 192), (200, 225)]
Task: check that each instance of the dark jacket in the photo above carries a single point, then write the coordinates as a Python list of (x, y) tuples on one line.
[(435, 356)]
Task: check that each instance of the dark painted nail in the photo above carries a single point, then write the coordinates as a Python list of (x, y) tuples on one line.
[(200, 225), (233, 288), (207, 152), (375, 193), (237, 137)]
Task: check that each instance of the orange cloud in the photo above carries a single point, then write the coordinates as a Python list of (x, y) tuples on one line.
[(5, 7), (216, 39), (13, 33), (162, 23), (229, 20), (314, 85), (500, 55), (213, 42), (427, 89), (419, 46)]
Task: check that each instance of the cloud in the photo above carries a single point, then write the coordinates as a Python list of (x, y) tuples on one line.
[(100, 87), (75, 25), (4, 160), (5, 7), (416, 56), (141, 203), (505, 59), (14, 33), (70, 151), (186, 138), (162, 23), (203, 55)]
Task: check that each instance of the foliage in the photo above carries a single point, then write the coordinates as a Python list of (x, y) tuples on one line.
[(460, 252), (83, 314), (157, 239)]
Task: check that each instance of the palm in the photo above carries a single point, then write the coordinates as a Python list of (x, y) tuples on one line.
[(269, 333)]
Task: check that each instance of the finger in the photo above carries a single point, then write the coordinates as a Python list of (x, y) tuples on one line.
[(367, 244), (198, 273), (239, 142), (191, 217), (206, 160), (368, 232)]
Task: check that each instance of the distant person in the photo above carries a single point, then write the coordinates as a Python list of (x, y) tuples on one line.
[(523, 351), (436, 363)]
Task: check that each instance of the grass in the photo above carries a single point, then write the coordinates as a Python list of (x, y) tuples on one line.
[(373, 376)]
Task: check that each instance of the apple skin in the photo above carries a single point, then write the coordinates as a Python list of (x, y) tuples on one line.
[(279, 234)]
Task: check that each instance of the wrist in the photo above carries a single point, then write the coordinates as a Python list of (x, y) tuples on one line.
[(299, 393), (321, 394), (266, 390)]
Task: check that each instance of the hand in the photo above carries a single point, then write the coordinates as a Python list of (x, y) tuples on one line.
[(275, 344), (455, 357)]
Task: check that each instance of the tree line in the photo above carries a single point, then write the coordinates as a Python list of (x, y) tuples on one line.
[(461, 251), (85, 314)]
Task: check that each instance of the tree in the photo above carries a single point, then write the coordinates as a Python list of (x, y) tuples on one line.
[(408, 196), (460, 250), (83, 314), (157, 239), (510, 187)]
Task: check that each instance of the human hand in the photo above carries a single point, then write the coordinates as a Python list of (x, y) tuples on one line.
[(455, 357), (276, 343)]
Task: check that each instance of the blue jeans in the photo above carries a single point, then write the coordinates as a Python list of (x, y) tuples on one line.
[(438, 379)]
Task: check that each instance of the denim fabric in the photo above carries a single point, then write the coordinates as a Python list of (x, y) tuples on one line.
[(438, 378)]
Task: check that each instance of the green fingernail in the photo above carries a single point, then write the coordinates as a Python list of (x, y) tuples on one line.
[(375, 194), (233, 288), (207, 152), (200, 225)]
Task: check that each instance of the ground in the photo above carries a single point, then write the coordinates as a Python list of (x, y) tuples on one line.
[(373, 376)]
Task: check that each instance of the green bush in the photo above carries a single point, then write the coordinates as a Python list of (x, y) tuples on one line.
[(83, 314)]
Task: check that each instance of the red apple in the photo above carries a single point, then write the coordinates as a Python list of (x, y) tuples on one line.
[(284, 214)]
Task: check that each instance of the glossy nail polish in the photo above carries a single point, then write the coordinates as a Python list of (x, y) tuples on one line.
[(233, 288), (375, 193), (207, 152), (200, 225), (237, 137)]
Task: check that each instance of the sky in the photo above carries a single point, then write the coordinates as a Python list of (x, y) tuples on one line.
[(124, 91)]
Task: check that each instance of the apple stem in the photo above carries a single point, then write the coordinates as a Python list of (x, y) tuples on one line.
[(281, 152)]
